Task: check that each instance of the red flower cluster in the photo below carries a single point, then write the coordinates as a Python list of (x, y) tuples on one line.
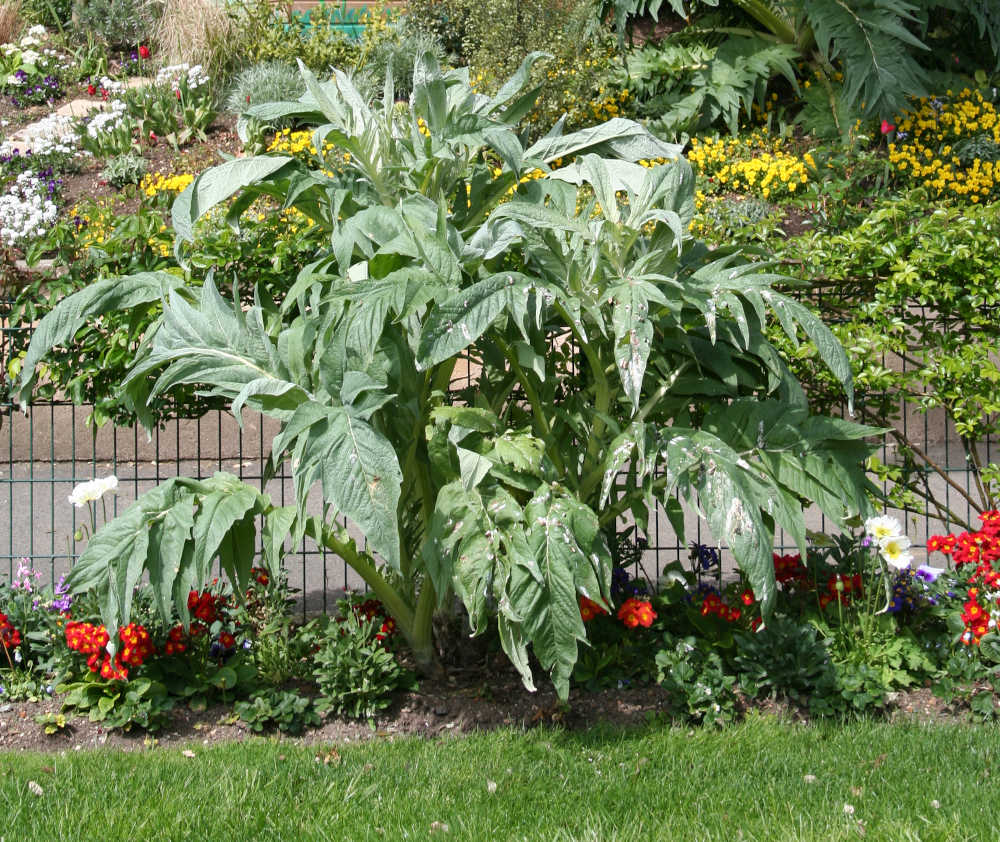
[(372, 610), (788, 568), (976, 619), (387, 630), (589, 609), (713, 604), (91, 640), (981, 551), (204, 606), (260, 576), (10, 638), (636, 612), (176, 641), (841, 588), (137, 645)]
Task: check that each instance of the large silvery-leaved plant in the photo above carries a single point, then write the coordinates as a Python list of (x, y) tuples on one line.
[(609, 362)]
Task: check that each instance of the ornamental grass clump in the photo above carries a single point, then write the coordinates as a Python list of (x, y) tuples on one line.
[(620, 363)]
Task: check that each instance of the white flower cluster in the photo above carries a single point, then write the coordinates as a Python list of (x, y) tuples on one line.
[(108, 121), (887, 534), (95, 489), (53, 134), (37, 31), (25, 211), (113, 86), (196, 76)]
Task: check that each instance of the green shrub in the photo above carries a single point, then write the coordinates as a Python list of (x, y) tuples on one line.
[(786, 659), (699, 685), (268, 81), (260, 36), (119, 23), (396, 47), (54, 14), (493, 37)]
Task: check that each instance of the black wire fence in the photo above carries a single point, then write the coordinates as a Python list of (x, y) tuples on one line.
[(51, 448)]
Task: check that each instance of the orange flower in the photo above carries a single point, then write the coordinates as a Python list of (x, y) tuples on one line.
[(636, 612), (589, 609)]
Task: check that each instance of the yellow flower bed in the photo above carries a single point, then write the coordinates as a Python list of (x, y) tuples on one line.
[(156, 182), (929, 143), (755, 163)]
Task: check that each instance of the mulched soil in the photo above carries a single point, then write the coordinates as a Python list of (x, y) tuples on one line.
[(465, 702)]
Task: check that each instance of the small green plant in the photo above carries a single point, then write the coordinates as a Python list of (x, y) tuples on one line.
[(53, 723), (140, 703), (273, 707), (124, 169), (700, 687), (787, 659), (21, 683), (356, 673)]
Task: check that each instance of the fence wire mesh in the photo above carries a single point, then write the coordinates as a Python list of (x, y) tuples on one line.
[(46, 451)]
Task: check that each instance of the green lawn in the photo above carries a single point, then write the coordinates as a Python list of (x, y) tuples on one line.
[(904, 782)]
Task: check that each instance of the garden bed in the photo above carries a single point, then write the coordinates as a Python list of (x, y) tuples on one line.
[(468, 702), (639, 365)]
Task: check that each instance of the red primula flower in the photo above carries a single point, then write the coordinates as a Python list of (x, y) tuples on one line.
[(143, 52), (10, 638), (887, 127), (636, 612), (92, 90), (589, 609)]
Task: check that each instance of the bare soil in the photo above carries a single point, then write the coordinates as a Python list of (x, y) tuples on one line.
[(464, 702)]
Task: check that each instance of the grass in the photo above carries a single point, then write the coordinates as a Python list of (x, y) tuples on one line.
[(904, 782)]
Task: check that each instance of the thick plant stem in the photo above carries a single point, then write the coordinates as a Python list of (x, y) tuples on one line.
[(364, 566), (423, 631)]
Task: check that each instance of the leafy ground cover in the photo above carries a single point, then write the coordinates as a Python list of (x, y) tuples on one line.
[(761, 780)]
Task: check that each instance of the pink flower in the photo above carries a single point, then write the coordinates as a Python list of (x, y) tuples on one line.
[(887, 127)]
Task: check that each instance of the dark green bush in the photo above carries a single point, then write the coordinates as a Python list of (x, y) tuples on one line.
[(119, 23)]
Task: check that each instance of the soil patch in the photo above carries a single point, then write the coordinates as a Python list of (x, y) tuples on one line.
[(464, 702)]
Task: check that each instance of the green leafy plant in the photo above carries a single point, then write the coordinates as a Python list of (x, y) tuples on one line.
[(686, 89), (286, 710), (124, 169), (140, 703), (788, 659), (700, 686), (577, 303), (53, 723), (356, 673)]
